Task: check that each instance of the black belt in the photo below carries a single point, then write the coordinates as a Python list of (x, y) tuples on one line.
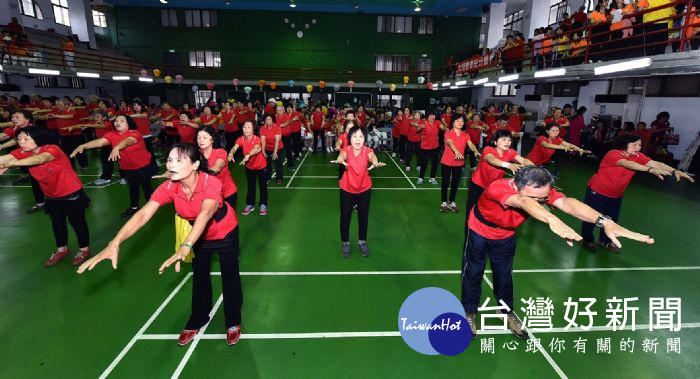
[(484, 221), (218, 216)]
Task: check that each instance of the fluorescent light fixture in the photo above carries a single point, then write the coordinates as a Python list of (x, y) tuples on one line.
[(0, 67), (122, 77), (461, 83), (446, 84), (481, 81), (292, 4), (550, 73), (509, 78), (88, 74), (490, 84), (417, 8), (454, 87), (42, 71), (622, 66), (147, 80), (163, 1)]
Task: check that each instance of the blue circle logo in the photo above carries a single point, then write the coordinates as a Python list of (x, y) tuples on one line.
[(432, 321)]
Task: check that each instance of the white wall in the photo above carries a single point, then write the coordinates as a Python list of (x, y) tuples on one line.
[(497, 13), (684, 118), (586, 95), (80, 15), (536, 16), (26, 85)]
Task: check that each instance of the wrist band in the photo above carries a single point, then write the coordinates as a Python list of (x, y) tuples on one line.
[(505, 164), (189, 246)]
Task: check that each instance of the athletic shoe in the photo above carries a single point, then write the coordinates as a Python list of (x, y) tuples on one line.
[(263, 210), (186, 337), (471, 319), (82, 255), (36, 208), (122, 181), (364, 250), (279, 181), (21, 179), (247, 210), (443, 207), (345, 250), (590, 246), (393, 155), (290, 168), (432, 181), (84, 168), (419, 181), (516, 326), (417, 168), (408, 168), (56, 257), (233, 334), (453, 207), (101, 182), (128, 212), (611, 247)]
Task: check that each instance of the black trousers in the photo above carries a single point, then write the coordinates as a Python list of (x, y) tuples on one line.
[(433, 156), (256, 177), (231, 200), (411, 147), (230, 283), (231, 138), (473, 194), (402, 147), (68, 144), (72, 211), (148, 141), (279, 172), (347, 201), (138, 178), (450, 180), (171, 139), (319, 134), (472, 158), (288, 147), (657, 38), (36, 190), (107, 165), (395, 145), (606, 205), (296, 143)]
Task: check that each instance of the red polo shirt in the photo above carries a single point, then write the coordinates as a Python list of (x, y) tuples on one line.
[(143, 124), (515, 123), (460, 142), (133, 157), (356, 176), (281, 120), (474, 134), (203, 119), (447, 119), (612, 180), (226, 118), (186, 132), (540, 155), (411, 134), (429, 135), (56, 178), (100, 132), (228, 186), (270, 133), (208, 187), (317, 120), (257, 161), (485, 173), (60, 123)]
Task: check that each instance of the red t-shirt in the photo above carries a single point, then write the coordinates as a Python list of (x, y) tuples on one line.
[(203, 119), (186, 132), (133, 157), (485, 173), (143, 124), (257, 161), (169, 115), (62, 123), (281, 120), (493, 128), (460, 142), (403, 124), (561, 121), (356, 176), (429, 135), (490, 118), (515, 123), (228, 186), (361, 118), (229, 126), (296, 125), (447, 119), (11, 131), (317, 121), (270, 134), (208, 187), (474, 134), (541, 155), (396, 129), (100, 132), (343, 138), (492, 205), (612, 180), (411, 134), (56, 178)]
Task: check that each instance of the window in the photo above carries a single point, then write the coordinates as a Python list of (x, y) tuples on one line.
[(290, 96), (99, 19), (556, 9), (394, 24), (514, 21), (201, 97), (504, 90), (425, 65), (393, 63), (196, 18), (384, 100), (590, 5), (60, 12), (168, 18), (30, 8), (425, 25), (205, 59)]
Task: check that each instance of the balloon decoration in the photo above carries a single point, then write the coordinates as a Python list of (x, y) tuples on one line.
[(156, 73), (309, 88), (429, 85), (210, 86), (322, 84), (379, 84), (247, 90), (178, 79), (405, 80), (351, 83), (195, 88), (336, 87), (291, 83), (168, 79), (273, 85), (392, 87), (421, 80), (261, 83), (144, 73), (235, 82)]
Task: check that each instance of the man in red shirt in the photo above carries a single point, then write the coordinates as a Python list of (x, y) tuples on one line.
[(284, 121), (505, 205)]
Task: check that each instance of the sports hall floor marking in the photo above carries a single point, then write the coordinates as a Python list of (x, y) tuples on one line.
[(402, 172), (194, 343), (297, 170), (336, 188)]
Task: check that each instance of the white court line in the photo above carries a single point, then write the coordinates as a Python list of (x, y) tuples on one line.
[(373, 188), (323, 335), (297, 170), (453, 272), (544, 352), (113, 182), (145, 326), (403, 173), (194, 343)]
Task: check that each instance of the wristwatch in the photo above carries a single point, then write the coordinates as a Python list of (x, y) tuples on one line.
[(599, 221)]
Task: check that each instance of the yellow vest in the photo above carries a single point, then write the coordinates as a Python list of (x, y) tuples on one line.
[(661, 13)]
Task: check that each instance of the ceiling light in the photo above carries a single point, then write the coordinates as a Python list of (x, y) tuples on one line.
[(550, 73), (417, 8), (461, 83), (43, 72), (292, 4), (490, 84), (622, 66), (147, 80), (446, 84), (0, 67), (88, 74), (481, 81), (120, 77), (453, 87), (509, 78), (163, 1)]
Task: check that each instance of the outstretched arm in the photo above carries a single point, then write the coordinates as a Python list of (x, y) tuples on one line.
[(209, 207)]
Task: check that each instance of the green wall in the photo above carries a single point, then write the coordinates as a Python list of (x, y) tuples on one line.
[(252, 41)]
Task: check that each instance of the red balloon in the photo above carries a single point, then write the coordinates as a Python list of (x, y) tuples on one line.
[(210, 86), (429, 85)]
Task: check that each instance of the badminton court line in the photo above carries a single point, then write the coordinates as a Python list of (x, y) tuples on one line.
[(194, 343), (145, 326), (373, 188), (297, 170), (400, 170)]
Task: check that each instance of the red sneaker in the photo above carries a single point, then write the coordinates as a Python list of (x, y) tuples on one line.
[(186, 337), (233, 334), (82, 255), (56, 257)]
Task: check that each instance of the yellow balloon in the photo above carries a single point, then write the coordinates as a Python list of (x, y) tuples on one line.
[(309, 88), (168, 79), (405, 79), (392, 87), (156, 73)]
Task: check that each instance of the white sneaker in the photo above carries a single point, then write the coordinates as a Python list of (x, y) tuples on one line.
[(432, 181), (417, 168), (393, 155), (101, 182), (419, 181), (408, 168), (122, 181)]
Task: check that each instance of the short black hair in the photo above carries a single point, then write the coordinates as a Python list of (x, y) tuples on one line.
[(537, 177), (190, 151), (216, 144), (41, 136), (129, 121), (500, 134), (622, 142), (354, 130), (503, 117)]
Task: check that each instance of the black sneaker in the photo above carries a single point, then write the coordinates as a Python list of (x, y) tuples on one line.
[(23, 178), (36, 208), (590, 246), (128, 212), (471, 319), (611, 247), (345, 251), (364, 250), (516, 326)]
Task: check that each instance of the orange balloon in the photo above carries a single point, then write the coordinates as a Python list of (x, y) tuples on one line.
[(273, 85), (261, 83), (322, 84)]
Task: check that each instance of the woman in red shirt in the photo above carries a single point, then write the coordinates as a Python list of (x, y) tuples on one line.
[(413, 138), (475, 128), (206, 118), (63, 117), (134, 160), (558, 119), (456, 142), (227, 117), (607, 186), (355, 187), (186, 128), (216, 161), (401, 122), (143, 125), (429, 130), (255, 167), (271, 140), (545, 146), (65, 198), (317, 125), (197, 197), (101, 126)]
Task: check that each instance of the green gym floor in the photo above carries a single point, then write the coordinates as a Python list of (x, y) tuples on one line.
[(308, 313)]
